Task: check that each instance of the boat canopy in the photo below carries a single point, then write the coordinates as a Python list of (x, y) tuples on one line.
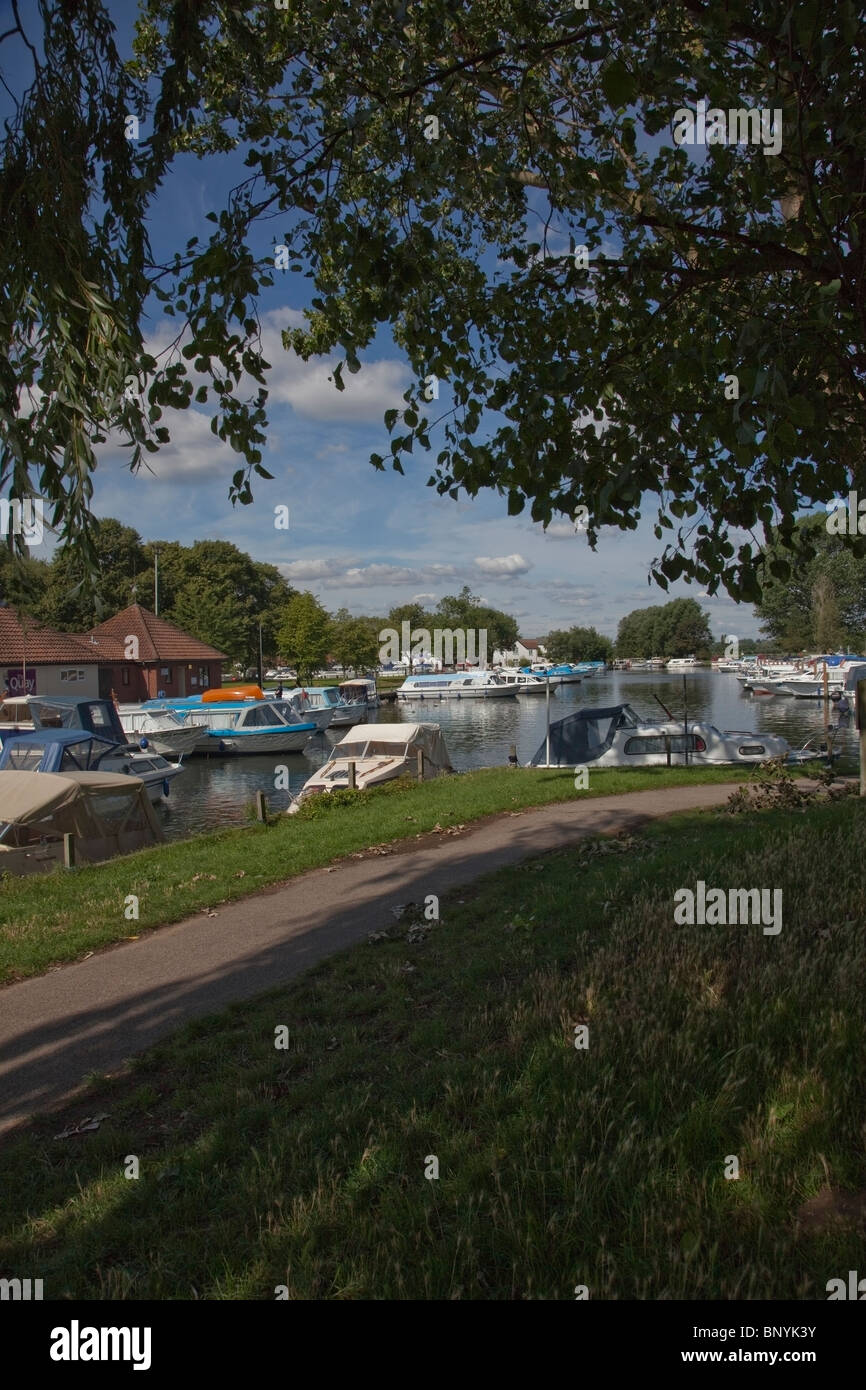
[(394, 741), (55, 750), (108, 813), (77, 712), (585, 735)]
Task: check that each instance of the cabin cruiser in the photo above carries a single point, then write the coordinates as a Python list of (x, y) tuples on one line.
[(617, 737), (106, 812), (109, 747), (843, 673), (564, 674), (682, 663), (361, 688), (379, 754), (76, 750), (524, 682), (348, 708), (240, 726), (459, 685), (164, 730)]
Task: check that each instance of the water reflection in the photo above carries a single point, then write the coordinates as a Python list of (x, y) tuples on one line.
[(479, 733)]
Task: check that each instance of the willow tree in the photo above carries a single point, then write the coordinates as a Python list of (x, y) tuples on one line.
[(597, 317)]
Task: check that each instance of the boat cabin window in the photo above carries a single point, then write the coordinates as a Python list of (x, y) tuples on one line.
[(26, 758), (262, 717), (751, 749), (75, 756), (658, 743), (100, 716)]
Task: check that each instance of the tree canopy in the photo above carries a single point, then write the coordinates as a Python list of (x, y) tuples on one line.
[(678, 628), (578, 644), (595, 315), (823, 603)]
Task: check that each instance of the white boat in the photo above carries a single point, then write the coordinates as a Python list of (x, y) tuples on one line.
[(379, 754), (460, 685), (682, 663), (361, 688), (242, 726), (107, 814), (343, 709), (618, 737), (309, 706), (526, 684), (166, 732)]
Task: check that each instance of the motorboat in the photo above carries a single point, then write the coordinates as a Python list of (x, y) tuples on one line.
[(246, 726), (76, 750), (682, 663), (361, 688), (311, 707), (380, 753), (110, 749), (106, 812), (843, 673), (525, 683), (461, 685), (616, 736), (563, 674), (348, 708), (164, 731)]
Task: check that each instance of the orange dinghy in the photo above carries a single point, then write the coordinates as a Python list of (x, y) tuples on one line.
[(232, 692)]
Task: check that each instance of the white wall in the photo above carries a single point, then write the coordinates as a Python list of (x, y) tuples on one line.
[(49, 678)]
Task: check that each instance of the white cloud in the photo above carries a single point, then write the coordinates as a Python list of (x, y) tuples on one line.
[(309, 389), (503, 566)]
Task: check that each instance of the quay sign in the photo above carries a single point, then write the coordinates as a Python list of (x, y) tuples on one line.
[(18, 684)]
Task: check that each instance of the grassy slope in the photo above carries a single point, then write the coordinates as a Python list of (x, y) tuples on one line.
[(58, 917), (558, 1167)]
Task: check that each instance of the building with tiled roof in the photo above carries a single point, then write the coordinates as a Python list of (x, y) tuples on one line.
[(135, 654), (167, 660)]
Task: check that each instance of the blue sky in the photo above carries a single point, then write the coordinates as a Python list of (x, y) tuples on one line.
[(359, 538)]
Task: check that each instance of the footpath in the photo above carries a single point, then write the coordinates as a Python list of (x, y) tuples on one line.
[(94, 1015)]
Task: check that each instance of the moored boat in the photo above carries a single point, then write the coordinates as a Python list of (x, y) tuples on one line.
[(75, 750), (460, 685), (107, 813), (247, 726), (378, 754), (616, 736)]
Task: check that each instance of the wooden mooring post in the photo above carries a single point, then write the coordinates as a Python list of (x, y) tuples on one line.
[(261, 806), (351, 784), (420, 764), (69, 851)]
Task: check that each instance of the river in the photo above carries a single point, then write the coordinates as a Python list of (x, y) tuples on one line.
[(215, 792)]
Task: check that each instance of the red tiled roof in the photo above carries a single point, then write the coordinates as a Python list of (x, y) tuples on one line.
[(40, 645), (158, 640)]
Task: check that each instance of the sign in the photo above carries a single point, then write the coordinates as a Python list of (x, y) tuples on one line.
[(16, 683)]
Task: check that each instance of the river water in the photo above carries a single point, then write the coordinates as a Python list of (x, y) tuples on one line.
[(216, 792)]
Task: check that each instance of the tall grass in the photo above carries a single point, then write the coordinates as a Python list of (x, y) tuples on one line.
[(558, 1167)]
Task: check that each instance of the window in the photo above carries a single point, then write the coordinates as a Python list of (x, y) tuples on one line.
[(751, 749), (100, 718), (69, 676), (657, 743), (165, 673), (26, 759)]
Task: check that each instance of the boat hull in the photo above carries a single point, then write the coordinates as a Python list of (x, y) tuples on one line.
[(484, 692), (236, 741)]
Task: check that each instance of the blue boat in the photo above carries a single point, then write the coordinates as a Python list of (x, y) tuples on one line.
[(79, 750), (241, 726)]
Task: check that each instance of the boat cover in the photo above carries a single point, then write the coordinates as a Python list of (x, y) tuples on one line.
[(109, 813), (582, 737), (390, 741)]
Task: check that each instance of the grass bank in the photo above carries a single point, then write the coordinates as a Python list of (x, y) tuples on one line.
[(58, 917), (454, 1040)]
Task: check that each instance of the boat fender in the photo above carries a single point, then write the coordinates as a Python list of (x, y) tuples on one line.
[(142, 743), (165, 785)]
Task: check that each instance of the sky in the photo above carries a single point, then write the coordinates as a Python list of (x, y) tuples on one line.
[(358, 538)]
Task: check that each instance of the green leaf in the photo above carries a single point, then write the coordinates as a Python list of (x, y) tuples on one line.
[(618, 84)]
